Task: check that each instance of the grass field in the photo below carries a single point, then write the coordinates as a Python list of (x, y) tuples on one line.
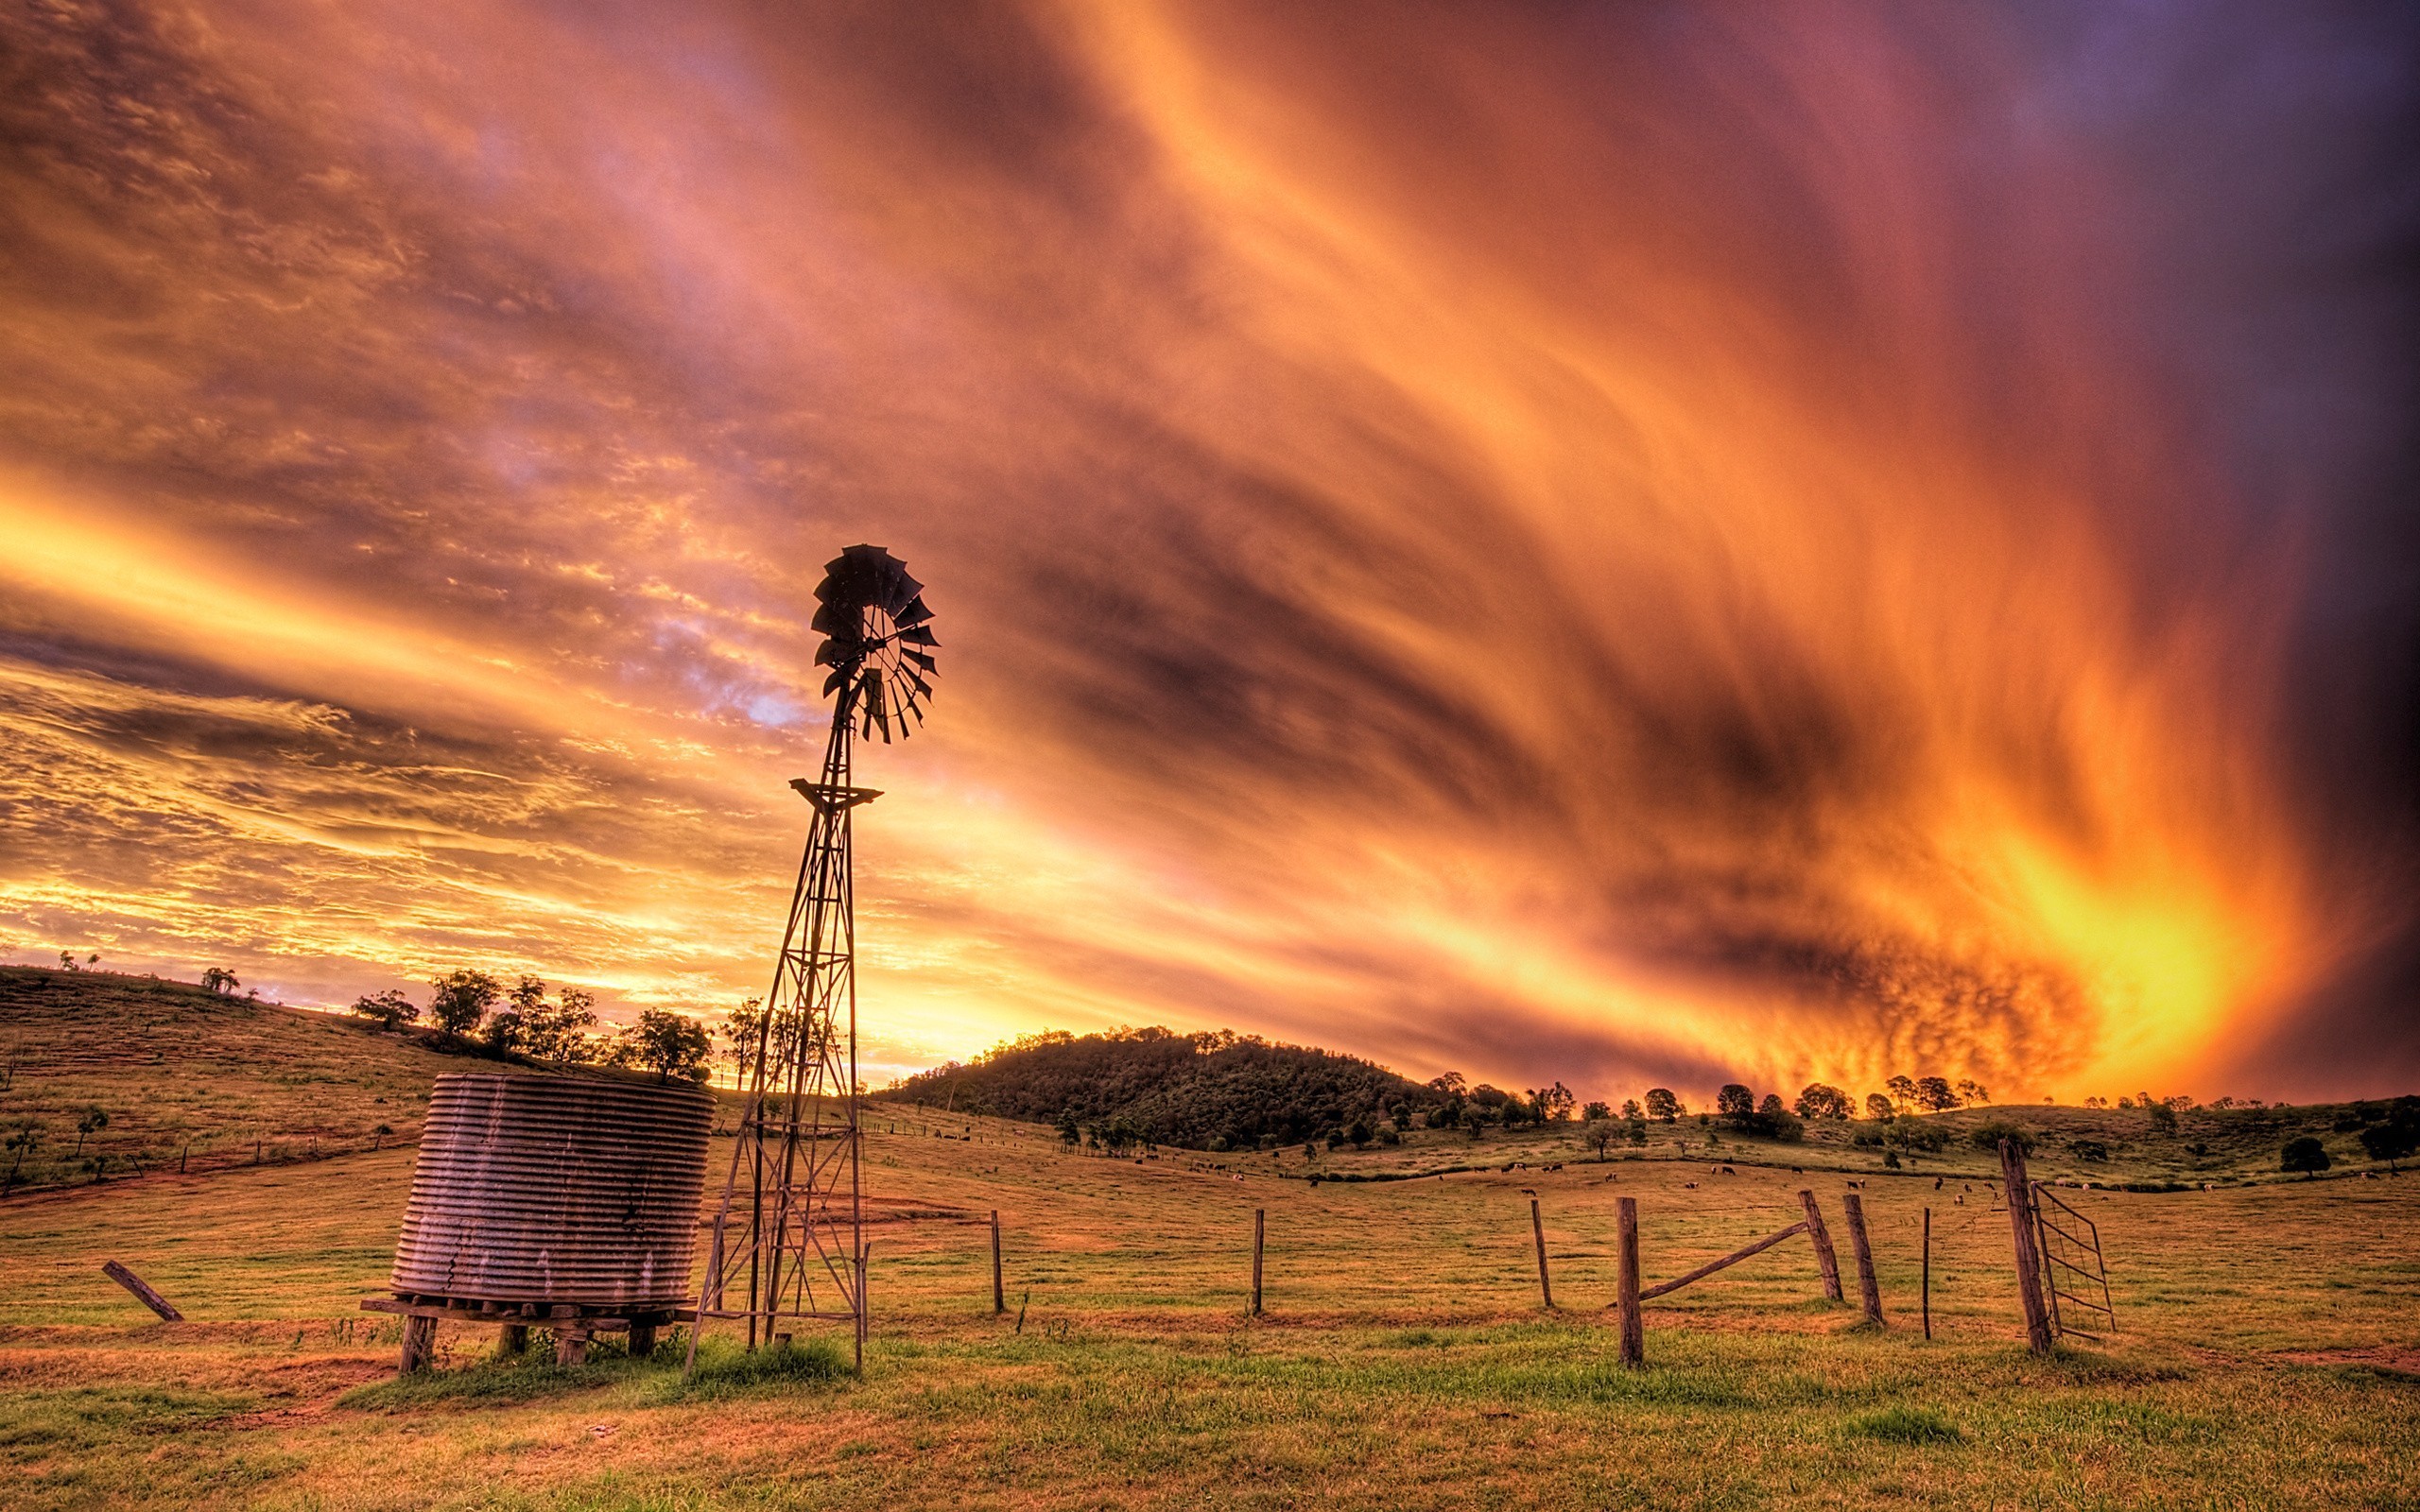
[(2268, 1356)]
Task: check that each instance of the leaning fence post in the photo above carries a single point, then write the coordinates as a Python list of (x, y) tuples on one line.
[(1259, 1227), (1927, 1272), (2029, 1257), (1538, 1228), (1626, 1293), (1868, 1288), (1824, 1260)]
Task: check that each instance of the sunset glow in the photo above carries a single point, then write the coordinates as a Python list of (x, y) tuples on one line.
[(1645, 545)]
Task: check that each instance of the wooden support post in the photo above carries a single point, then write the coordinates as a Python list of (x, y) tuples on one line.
[(1824, 1260), (571, 1345), (999, 1293), (1869, 1290), (143, 1292), (1662, 1288), (2028, 1259), (642, 1340), (513, 1338), (1927, 1272), (181, 1156), (1626, 1293), (1538, 1228), (420, 1345), (1260, 1231)]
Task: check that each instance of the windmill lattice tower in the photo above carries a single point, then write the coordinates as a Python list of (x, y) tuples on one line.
[(788, 1238)]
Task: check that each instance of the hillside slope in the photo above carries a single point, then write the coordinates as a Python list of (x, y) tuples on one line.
[(186, 1074), (1195, 1090)]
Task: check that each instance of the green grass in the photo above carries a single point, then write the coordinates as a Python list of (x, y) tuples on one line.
[(1906, 1425)]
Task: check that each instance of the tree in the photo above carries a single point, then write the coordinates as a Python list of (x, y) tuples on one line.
[(2305, 1154), (1596, 1113), (1973, 1091), (2391, 1141), (2163, 1118), (670, 1044), (558, 1030), (21, 1143), (1662, 1105), (1636, 1129), (391, 1010), (1553, 1104), (1902, 1090), (1629, 1109), (1934, 1096), (219, 979), (1823, 1100), (1068, 1134), (1599, 1134), (1879, 1108), (89, 1123), (458, 1000), (1735, 1105), (505, 1031)]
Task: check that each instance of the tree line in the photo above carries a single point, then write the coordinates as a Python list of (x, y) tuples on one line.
[(471, 1008)]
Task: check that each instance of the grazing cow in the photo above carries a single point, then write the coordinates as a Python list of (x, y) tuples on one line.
[(1689, 1186)]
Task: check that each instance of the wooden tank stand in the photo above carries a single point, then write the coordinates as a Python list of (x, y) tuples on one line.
[(572, 1326)]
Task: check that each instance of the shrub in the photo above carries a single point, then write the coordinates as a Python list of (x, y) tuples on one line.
[(1988, 1136), (2088, 1149)]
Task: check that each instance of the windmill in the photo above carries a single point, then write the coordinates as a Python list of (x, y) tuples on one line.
[(789, 1239)]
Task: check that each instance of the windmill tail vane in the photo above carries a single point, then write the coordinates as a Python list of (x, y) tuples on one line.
[(788, 1238)]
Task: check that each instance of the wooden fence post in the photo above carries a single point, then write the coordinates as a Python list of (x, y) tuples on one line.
[(999, 1293), (1626, 1293), (1538, 1228), (1259, 1229), (1868, 1288), (420, 1345), (2028, 1259), (1927, 1272), (143, 1292), (1824, 1260)]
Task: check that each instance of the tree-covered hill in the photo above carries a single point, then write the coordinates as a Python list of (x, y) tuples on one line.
[(1152, 1084)]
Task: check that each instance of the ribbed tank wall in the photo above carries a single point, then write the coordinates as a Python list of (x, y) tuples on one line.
[(556, 1189)]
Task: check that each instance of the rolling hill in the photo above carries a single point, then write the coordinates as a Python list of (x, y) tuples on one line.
[(1199, 1091), (187, 1075)]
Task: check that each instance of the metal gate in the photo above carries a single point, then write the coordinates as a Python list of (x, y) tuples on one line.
[(2072, 1268)]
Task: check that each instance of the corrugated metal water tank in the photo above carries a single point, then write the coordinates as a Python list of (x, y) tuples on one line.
[(556, 1190)]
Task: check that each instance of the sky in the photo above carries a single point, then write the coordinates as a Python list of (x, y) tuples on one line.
[(1622, 544)]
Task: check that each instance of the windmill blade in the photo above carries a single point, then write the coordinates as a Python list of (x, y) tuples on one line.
[(914, 614)]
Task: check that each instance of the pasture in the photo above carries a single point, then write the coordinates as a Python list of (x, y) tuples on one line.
[(2267, 1356)]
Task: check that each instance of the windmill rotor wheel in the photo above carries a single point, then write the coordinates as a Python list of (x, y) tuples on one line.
[(877, 640)]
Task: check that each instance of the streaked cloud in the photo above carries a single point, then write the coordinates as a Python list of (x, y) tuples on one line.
[(1640, 542)]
